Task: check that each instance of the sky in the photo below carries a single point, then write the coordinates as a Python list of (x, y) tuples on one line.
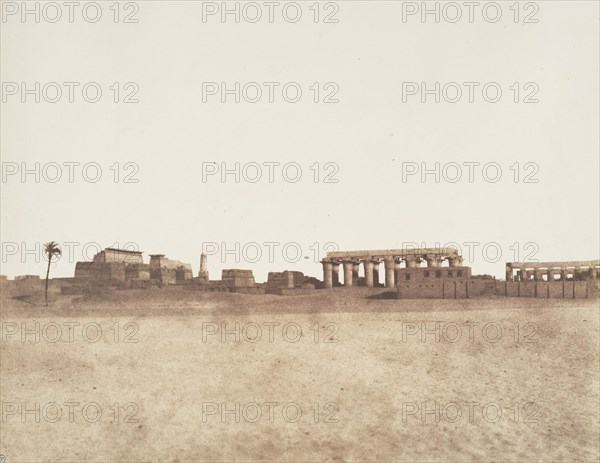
[(336, 141)]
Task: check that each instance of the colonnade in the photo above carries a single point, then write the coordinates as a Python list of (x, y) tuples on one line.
[(535, 271), (372, 263)]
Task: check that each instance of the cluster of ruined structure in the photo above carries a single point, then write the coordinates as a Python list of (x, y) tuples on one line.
[(120, 266), (412, 273), (400, 265), (552, 271), (445, 277), (289, 282), (125, 269)]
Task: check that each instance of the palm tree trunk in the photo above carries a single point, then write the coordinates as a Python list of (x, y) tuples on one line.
[(47, 275)]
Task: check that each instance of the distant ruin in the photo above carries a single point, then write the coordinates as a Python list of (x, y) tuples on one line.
[(399, 265), (126, 268), (403, 270), (412, 273), (552, 271), (288, 283)]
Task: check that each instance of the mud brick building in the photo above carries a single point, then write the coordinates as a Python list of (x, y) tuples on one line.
[(167, 271), (112, 266), (288, 282), (236, 278), (126, 268)]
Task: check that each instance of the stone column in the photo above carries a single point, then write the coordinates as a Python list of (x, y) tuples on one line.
[(456, 261), (537, 275), (376, 265), (563, 274), (524, 276), (348, 270), (550, 274), (411, 262), (397, 271), (509, 273), (327, 274), (433, 261), (389, 272), (335, 273), (369, 266), (355, 270), (203, 273)]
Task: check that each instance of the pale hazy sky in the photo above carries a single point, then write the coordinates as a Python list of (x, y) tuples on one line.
[(368, 54)]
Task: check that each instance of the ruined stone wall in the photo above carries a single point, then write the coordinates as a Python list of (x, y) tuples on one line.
[(235, 278), (118, 256), (160, 261), (183, 275), (287, 279), (100, 271), (563, 289), (405, 275), (447, 289), (103, 272), (137, 272), (485, 287), (169, 271), (277, 280), (166, 276)]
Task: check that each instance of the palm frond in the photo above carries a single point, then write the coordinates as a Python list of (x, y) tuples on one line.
[(52, 249)]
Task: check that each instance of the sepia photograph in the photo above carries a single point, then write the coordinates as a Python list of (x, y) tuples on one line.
[(302, 231)]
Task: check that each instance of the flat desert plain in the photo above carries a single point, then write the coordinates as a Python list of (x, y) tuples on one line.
[(169, 375)]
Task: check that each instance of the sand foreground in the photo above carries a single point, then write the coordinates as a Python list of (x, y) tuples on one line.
[(165, 376)]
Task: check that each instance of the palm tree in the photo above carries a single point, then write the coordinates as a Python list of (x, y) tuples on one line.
[(51, 249)]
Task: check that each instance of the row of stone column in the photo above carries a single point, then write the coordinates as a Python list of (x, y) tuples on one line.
[(524, 274), (331, 269)]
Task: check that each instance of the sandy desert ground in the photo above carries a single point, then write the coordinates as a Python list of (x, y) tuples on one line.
[(146, 376)]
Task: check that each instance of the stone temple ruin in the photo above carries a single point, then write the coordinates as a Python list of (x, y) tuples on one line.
[(403, 270), (552, 271), (400, 265), (407, 273), (125, 268), (290, 283), (567, 280)]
